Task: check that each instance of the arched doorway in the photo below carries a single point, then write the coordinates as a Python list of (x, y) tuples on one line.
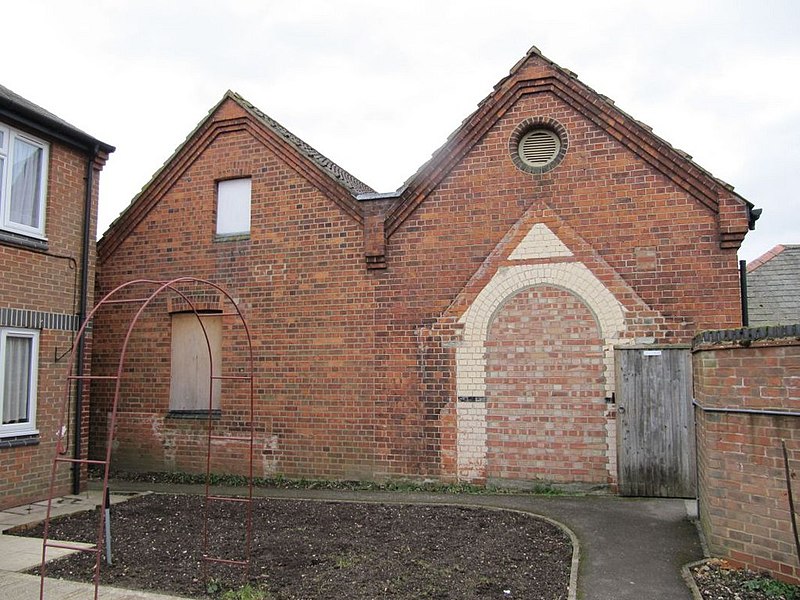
[(545, 408)]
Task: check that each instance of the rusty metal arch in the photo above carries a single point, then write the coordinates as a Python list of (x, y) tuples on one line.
[(62, 447)]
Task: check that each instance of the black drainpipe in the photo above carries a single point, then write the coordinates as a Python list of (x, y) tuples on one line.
[(743, 291), (82, 310)]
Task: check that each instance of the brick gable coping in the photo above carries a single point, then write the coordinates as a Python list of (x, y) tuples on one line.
[(352, 183), (533, 74), (600, 110), (336, 183)]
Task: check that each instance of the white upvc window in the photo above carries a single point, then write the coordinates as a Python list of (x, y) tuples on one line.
[(19, 366), (23, 182), (233, 207)]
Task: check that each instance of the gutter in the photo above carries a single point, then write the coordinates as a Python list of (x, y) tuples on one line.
[(80, 356)]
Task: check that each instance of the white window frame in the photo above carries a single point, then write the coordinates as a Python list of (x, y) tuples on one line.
[(234, 199), (28, 428), (6, 159)]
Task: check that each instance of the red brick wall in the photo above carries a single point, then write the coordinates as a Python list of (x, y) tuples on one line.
[(356, 367), (301, 282), (48, 281), (544, 393), (744, 507)]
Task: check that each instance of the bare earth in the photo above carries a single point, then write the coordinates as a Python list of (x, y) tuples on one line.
[(313, 550)]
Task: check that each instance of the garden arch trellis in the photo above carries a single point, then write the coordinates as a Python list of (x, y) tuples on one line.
[(184, 288)]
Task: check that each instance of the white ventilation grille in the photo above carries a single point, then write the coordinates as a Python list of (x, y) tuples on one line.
[(539, 147)]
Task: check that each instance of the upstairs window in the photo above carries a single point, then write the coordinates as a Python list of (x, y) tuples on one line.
[(233, 207), (19, 357), (23, 182)]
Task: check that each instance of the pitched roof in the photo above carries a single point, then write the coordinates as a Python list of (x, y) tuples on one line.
[(352, 183), (341, 186), (637, 136), (27, 113), (773, 287)]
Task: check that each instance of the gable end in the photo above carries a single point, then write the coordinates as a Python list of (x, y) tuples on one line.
[(633, 135)]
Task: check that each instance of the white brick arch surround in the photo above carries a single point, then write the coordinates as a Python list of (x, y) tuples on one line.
[(573, 277)]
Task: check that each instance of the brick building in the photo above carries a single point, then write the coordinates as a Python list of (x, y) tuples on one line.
[(463, 327), (48, 203)]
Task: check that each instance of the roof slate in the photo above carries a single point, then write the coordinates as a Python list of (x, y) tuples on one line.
[(773, 287), (352, 183)]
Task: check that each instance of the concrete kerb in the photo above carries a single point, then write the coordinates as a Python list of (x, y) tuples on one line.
[(686, 572)]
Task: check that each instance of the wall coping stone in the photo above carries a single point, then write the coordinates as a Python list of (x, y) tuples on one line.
[(772, 335)]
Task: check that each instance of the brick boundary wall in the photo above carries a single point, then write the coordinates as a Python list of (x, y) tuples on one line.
[(747, 400)]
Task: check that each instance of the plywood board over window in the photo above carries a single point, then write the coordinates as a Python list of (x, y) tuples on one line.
[(191, 369)]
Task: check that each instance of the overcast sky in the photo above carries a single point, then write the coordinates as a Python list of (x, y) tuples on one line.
[(718, 79)]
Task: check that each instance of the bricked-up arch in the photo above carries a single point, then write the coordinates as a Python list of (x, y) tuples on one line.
[(574, 277), (192, 295), (545, 413), (471, 359)]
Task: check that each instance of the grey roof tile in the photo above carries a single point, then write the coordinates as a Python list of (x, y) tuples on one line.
[(773, 287), (13, 102), (352, 183)]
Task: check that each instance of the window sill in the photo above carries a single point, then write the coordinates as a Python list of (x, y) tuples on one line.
[(194, 415), (9, 238), (18, 441), (231, 237)]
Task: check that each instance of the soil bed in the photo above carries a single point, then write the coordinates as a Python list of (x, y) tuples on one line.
[(716, 580), (314, 550)]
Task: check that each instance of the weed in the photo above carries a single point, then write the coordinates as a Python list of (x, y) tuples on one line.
[(772, 588), (246, 592), (344, 561), (213, 587)]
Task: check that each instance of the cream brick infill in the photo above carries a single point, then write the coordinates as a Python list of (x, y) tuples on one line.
[(573, 277), (540, 242), (472, 448)]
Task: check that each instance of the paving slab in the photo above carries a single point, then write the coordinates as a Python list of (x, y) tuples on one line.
[(35, 512), (21, 553), (26, 587)]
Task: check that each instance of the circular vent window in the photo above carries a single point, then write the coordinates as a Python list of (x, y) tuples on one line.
[(539, 147)]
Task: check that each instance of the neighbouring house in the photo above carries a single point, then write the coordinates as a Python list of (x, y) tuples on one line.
[(48, 206), (773, 287), (502, 317)]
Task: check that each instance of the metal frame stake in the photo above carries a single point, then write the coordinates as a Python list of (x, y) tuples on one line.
[(108, 527)]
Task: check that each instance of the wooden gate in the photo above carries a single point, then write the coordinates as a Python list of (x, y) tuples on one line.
[(655, 425)]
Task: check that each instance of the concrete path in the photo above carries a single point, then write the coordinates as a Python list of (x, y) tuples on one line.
[(630, 549)]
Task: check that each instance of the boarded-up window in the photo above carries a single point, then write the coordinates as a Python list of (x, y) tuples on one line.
[(190, 378)]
